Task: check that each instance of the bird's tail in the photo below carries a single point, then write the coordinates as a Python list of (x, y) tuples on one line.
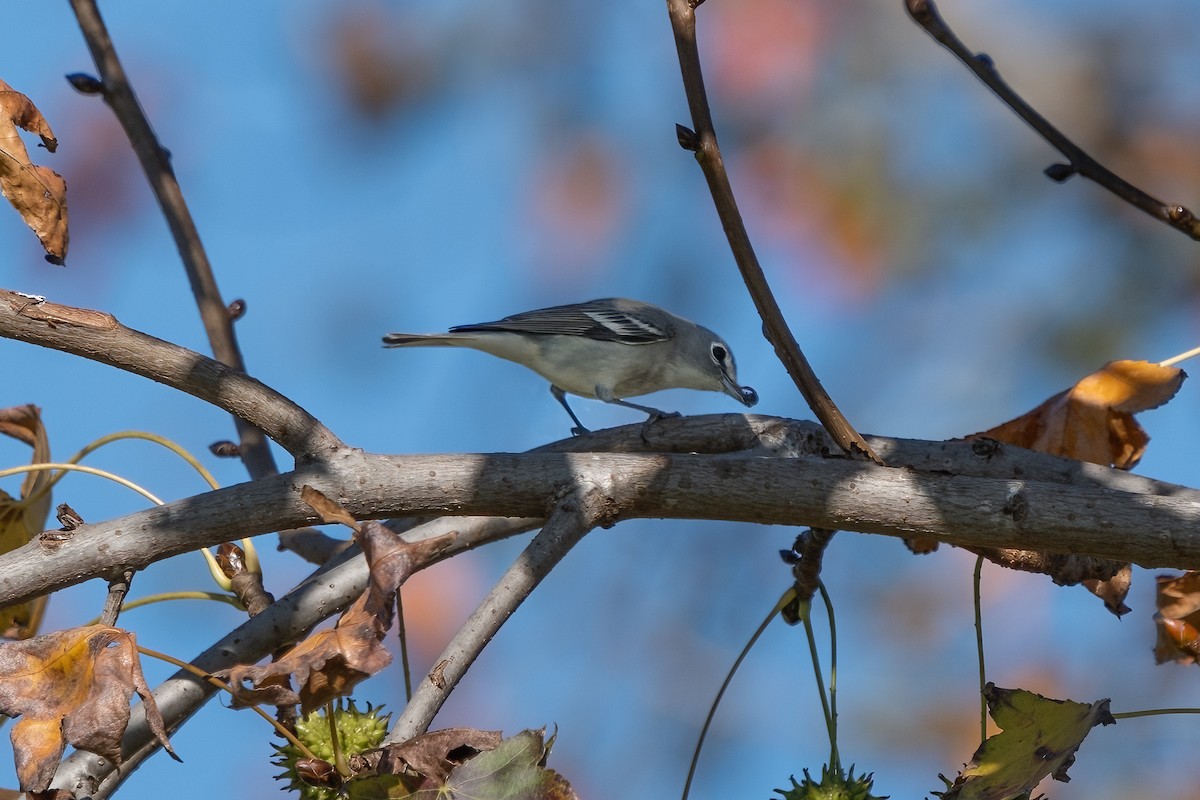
[(422, 340)]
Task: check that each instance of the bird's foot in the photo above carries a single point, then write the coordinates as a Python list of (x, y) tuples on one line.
[(654, 417)]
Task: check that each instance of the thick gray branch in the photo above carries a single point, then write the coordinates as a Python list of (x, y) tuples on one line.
[(1001, 498)]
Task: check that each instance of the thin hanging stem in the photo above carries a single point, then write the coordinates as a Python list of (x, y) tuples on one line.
[(979, 647), (402, 634), (835, 760), (787, 598), (339, 757), (806, 617), (220, 684)]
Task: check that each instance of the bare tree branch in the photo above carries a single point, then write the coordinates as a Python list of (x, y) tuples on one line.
[(925, 14), (1153, 528), (581, 510), (100, 337), (156, 163), (783, 445), (702, 141)]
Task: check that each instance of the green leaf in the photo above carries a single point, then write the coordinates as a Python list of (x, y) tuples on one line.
[(1039, 737)]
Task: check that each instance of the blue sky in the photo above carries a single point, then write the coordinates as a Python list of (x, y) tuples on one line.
[(967, 289)]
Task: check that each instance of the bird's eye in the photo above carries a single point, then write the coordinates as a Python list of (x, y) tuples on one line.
[(719, 353)]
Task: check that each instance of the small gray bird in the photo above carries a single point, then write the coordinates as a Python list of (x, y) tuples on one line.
[(607, 349)]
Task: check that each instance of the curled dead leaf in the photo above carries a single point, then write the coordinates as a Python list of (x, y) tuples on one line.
[(1177, 622), (1093, 420), (465, 764), (39, 194), (71, 687), (326, 509), (434, 754), (329, 664)]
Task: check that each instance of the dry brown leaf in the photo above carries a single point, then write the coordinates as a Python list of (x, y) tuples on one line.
[(331, 663), (1178, 597), (463, 764), (1112, 591), (433, 755), (1176, 640), (21, 520), (1178, 618), (326, 509), (71, 687), (39, 194), (1093, 420)]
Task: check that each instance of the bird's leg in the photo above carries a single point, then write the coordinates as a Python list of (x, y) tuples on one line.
[(561, 397), (605, 394)]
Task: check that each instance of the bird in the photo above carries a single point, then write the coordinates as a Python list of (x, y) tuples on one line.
[(607, 349)]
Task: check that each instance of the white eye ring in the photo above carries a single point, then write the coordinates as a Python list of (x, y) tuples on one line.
[(719, 353)]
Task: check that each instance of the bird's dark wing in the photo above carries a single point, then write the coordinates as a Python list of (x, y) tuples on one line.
[(604, 320)]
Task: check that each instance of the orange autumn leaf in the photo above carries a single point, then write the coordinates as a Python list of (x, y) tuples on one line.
[(39, 194), (1177, 621), (21, 520), (331, 663), (1093, 420), (71, 687)]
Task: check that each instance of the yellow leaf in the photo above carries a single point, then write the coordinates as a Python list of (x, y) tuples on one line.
[(71, 687), (1038, 737), (21, 520)]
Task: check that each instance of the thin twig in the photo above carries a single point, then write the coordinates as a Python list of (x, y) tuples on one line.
[(786, 599), (569, 522), (702, 141), (156, 163), (925, 14)]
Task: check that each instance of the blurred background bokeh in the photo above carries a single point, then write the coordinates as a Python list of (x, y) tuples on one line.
[(366, 166)]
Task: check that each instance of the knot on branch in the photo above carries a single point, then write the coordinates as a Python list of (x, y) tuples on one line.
[(806, 557)]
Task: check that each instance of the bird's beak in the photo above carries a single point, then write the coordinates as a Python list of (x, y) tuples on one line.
[(743, 394)]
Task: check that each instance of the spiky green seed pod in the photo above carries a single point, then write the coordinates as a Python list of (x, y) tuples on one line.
[(358, 731), (832, 786)]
